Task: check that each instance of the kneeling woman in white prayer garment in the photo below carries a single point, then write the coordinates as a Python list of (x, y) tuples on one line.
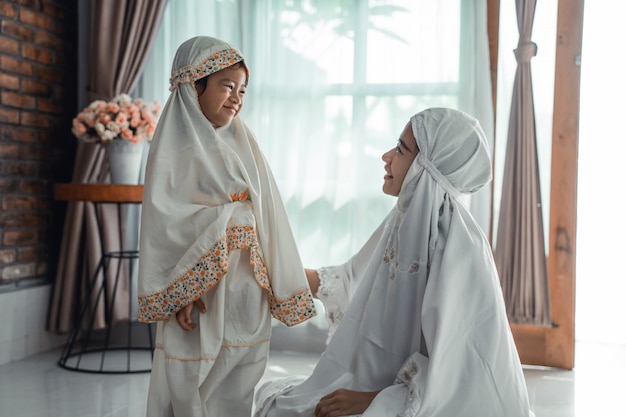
[(419, 322)]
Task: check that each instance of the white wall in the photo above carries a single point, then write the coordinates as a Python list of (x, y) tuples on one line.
[(601, 238), (23, 316)]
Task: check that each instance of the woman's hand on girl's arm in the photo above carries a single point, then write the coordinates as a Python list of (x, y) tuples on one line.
[(183, 316), (344, 402), (314, 280)]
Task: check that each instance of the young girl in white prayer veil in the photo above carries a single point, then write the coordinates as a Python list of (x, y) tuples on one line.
[(421, 325), (217, 255)]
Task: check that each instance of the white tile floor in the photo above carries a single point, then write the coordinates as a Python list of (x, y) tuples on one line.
[(37, 387)]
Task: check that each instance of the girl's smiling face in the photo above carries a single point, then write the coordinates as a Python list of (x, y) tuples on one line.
[(221, 99), (398, 160)]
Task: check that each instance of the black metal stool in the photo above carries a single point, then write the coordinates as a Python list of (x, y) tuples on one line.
[(117, 346)]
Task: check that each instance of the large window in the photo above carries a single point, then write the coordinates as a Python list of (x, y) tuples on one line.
[(333, 84)]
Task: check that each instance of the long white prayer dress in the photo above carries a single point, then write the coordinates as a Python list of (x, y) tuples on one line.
[(214, 228)]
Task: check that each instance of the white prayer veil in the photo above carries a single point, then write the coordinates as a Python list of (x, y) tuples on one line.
[(209, 191), (453, 159)]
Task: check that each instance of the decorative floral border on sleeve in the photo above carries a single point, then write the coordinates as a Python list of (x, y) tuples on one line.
[(207, 273), (295, 309)]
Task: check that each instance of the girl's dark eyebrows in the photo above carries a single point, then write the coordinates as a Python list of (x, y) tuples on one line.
[(233, 81)]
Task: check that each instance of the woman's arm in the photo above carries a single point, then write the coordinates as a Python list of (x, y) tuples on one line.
[(314, 280), (348, 275)]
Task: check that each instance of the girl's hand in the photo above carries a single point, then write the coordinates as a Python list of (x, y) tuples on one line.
[(183, 316), (344, 402)]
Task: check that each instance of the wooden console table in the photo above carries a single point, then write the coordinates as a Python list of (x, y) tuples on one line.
[(100, 193), (112, 348)]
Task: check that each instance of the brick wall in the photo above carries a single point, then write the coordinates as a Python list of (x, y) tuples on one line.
[(38, 41)]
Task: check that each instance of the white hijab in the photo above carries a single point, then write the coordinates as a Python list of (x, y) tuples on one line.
[(427, 323), (209, 191)]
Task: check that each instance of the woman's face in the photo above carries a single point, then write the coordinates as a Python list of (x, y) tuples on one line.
[(222, 99), (398, 160)]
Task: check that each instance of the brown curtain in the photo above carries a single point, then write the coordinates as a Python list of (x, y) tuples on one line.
[(121, 35), (520, 248)]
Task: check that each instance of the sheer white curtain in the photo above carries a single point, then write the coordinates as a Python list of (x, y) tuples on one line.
[(333, 84)]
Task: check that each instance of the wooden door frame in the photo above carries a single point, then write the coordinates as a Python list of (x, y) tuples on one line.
[(539, 345)]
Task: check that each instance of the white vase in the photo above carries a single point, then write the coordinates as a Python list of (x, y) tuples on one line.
[(124, 161)]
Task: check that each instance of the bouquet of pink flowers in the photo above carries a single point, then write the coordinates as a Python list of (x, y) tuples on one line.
[(121, 118)]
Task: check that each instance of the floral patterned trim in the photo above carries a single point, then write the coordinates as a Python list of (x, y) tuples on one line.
[(242, 196), (214, 63), (204, 275), (295, 309), (210, 269)]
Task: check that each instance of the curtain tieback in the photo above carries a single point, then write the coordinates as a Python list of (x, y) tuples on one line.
[(525, 51)]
